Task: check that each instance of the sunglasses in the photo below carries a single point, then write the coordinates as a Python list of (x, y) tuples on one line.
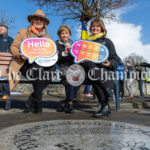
[(38, 18)]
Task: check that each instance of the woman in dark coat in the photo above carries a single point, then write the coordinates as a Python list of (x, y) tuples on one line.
[(65, 59), (103, 85)]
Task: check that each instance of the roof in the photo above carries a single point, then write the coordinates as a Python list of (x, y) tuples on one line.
[(145, 64)]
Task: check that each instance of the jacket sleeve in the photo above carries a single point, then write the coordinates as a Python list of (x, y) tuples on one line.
[(113, 57), (10, 41), (15, 47)]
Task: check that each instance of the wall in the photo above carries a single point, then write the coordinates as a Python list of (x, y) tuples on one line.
[(59, 89)]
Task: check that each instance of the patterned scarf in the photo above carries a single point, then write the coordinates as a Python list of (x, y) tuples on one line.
[(94, 37), (35, 32), (68, 43)]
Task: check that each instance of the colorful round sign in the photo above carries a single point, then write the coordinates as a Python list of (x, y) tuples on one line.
[(86, 50), (39, 50)]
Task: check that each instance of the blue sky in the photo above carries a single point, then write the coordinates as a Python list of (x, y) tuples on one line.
[(20, 9), (138, 13), (135, 17)]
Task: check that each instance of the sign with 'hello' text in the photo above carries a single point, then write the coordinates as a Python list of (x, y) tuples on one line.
[(86, 50), (40, 50)]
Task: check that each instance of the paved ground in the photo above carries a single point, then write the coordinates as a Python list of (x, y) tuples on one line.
[(135, 111)]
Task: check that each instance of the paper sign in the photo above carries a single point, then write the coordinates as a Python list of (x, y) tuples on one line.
[(86, 50), (40, 49)]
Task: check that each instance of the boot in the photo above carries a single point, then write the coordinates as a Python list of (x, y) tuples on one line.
[(69, 109), (62, 107), (104, 111), (37, 107), (29, 103)]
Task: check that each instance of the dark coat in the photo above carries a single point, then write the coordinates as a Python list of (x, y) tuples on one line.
[(113, 57), (63, 60), (5, 42)]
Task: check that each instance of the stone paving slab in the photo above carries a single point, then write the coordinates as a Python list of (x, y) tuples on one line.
[(76, 135)]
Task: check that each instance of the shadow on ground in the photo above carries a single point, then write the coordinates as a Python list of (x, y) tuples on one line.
[(49, 104)]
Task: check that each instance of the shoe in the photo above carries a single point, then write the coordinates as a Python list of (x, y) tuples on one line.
[(8, 104), (130, 97), (37, 107), (4, 97), (61, 108), (104, 111), (88, 95), (29, 103), (69, 109), (122, 97)]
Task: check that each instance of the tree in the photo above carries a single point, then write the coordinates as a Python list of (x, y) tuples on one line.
[(135, 59), (6, 20), (83, 9)]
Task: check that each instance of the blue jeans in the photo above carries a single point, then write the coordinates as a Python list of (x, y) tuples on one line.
[(5, 87), (141, 87), (71, 92), (87, 89)]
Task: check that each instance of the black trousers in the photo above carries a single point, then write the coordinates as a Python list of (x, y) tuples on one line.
[(70, 90), (121, 87), (102, 84), (39, 80)]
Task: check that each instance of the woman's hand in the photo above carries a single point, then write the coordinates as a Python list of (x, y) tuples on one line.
[(67, 49), (23, 57), (84, 61), (105, 64)]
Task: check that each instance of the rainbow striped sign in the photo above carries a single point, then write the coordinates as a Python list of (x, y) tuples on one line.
[(86, 50)]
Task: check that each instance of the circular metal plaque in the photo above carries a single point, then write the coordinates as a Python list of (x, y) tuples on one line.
[(76, 135)]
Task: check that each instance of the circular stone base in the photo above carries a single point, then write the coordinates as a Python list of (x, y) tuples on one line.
[(75, 135)]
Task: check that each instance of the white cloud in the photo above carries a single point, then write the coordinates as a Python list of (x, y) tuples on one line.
[(126, 37)]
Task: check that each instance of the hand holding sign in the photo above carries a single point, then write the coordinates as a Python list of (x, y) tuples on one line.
[(41, 49), (23, 57), (86, 50)]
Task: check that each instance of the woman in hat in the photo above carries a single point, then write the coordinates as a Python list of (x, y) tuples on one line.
[(19, 65)]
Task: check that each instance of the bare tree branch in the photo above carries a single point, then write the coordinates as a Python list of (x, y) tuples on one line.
[(135, 59), (83, 9)]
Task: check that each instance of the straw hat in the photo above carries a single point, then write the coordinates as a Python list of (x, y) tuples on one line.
[(38, 13)]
